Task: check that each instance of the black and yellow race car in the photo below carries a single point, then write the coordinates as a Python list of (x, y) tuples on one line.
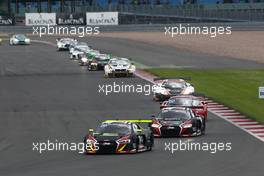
[(119, 136)]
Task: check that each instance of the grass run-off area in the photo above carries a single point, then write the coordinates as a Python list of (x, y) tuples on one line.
[(237, 89)]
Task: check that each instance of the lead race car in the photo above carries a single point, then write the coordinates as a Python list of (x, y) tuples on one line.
[(119, 67), (66, 43), (119, 136), (196, 103), (164, 88), (19, 39), (178, 122)]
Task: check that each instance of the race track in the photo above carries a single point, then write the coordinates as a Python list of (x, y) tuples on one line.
[(44, 95)]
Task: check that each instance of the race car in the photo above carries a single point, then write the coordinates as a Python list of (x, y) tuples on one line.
[(119, 136), (164, 88), (92, 53), (19, 39), (178, 122), (66, 43), (119, 67), (79, 50), (87, 57), (197, 104), (1, 41), (98, 62)]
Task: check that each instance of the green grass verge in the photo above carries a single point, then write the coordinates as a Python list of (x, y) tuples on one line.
[(237, 89)]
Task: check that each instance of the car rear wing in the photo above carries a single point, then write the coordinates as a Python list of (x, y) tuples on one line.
[(131, 121), (179, 77), (143, 121)]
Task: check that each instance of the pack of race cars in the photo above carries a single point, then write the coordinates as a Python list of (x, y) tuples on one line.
[(94, 60), (182, 114)]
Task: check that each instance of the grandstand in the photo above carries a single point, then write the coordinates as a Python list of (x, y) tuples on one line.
[(250, 10)]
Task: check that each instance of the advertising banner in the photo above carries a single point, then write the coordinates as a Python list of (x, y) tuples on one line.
[(71, 19), (261, 92), (102, 18), (40, 19), (6, 20)]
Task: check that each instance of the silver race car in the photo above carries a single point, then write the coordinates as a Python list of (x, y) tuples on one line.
[(66, 43), (79, 50), (19, 39), (165, 88), (119, 67)]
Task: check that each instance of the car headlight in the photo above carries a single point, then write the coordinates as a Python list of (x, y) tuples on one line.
[(123, 141), (166, 92), (90, 141), (154, 125), (84, 59), (187, 125)]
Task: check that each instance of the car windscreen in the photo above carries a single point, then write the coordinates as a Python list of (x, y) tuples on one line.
[(101, 59), (183, 102), (120, 129), (174, 115), (66, 40), (174, 85), (82, 47), (20, 37)]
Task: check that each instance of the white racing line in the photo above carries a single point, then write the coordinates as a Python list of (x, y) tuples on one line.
[(250, 126)]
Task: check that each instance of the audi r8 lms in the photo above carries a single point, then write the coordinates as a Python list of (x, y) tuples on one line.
[(177, 122), (197, 104), (165, 88), (98, 62), (66, 43), (119, 67), (119, 136), (19, 39)]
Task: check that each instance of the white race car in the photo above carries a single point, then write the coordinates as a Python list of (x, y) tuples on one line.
[(66, 43), (119, 67), (78, 45), (19, 39), (164, 88), (79, 50)]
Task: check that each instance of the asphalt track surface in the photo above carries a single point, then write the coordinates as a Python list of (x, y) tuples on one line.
[(44, 95)]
